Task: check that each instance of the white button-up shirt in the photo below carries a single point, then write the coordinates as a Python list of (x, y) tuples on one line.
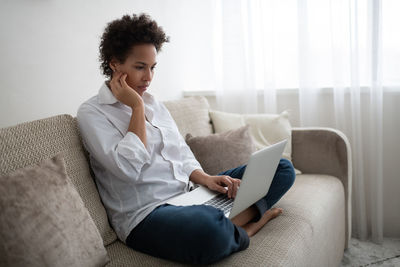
[(133, 179)]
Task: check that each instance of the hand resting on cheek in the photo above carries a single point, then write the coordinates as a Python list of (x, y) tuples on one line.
[(123, 92)]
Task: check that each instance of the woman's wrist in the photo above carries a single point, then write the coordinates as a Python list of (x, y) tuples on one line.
[(199, 177), (137, 124), (138, 108)]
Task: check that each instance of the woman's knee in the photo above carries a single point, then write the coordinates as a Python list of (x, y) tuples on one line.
[(286, 172), (211, 227), (191, 234), (235, 172), (213, 236)]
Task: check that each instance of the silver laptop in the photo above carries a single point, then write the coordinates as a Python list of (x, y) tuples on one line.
[(255, 184)]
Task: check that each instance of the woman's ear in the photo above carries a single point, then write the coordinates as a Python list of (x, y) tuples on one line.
[(114, 64)]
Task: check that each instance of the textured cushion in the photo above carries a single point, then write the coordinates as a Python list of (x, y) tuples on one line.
[(223, 151), (191, 115), (44, 221), (121, 256), (309, 232), (32, 142), (266, 129)]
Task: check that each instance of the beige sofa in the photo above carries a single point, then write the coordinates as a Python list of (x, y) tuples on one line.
[(314, 229)]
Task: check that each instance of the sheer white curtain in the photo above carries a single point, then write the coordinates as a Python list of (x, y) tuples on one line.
[(349, 47), (332, 51), (234, 64)]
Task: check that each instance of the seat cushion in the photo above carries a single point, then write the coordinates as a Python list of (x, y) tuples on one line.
[(309, 232), (121, 255), (32, 142)]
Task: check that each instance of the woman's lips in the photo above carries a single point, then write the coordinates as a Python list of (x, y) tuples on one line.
[(142, 88)]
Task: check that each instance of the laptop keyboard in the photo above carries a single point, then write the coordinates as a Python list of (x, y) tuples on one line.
[(222, 202)]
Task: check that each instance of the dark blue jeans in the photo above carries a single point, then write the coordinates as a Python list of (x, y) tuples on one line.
[(202, 234)]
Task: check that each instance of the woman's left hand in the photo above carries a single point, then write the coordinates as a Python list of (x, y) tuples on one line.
[(224, 184)]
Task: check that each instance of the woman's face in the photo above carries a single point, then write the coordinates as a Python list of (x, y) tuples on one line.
[(139, 66)]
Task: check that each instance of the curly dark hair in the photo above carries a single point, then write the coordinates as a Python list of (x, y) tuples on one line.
[(121, 34)]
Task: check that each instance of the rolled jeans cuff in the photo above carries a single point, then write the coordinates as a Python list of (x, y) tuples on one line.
[(261, 207), (242, 237)]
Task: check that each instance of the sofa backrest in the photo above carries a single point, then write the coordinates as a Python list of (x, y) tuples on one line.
[(30, 143), (191, 115)]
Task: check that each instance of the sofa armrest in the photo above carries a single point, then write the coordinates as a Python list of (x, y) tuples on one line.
[(325, 151)]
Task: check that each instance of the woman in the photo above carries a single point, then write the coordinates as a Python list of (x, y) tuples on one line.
[(140, 159)]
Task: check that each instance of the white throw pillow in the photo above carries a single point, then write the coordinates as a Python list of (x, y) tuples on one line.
[(266, 129)]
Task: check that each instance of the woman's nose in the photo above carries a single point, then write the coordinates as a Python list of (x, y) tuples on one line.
[(148, 75)]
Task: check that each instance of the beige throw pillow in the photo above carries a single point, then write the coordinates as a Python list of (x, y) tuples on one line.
[(265, 129), (191, 115), (44, 221), (222, 151)]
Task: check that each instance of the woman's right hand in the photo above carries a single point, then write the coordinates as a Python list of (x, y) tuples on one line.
[(123, 92)]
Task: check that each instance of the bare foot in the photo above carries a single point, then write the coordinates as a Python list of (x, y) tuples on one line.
[(270, 214), (253, 227)]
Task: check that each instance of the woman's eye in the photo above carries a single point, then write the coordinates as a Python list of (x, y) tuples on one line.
[(138, 67), (152, 68)]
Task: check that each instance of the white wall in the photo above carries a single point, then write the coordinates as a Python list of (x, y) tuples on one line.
[(49, 52)]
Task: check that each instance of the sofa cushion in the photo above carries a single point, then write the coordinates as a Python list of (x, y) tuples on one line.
[(43, 220), (191, 115), (266, 129), (309, 232), (122, 255), (31, 142), (222, 151)]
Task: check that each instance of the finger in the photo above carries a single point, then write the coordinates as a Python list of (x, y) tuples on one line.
[(116, 75), (118, 79), (233, 189), (114, 83), (236, 183), (227, 181), (220, 189), (123, 80)]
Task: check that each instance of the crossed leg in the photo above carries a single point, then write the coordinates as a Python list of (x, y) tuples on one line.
[(255, 217)]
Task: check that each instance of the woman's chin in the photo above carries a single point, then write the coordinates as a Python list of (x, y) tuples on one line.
[(141, 90)]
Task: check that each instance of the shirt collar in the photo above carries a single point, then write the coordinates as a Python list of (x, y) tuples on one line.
[(105, 96), (148, 100)]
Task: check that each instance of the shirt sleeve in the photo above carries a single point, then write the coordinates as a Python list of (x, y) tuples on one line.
[(122, 155), (190, 163)]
